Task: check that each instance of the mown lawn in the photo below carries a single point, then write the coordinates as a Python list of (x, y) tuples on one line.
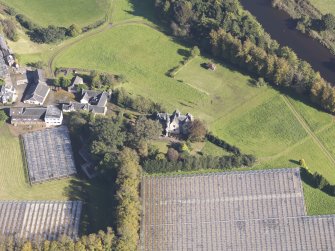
[(61, 12)]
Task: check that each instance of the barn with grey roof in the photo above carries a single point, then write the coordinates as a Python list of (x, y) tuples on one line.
[(49, 154), (37, 89), (250, 210)]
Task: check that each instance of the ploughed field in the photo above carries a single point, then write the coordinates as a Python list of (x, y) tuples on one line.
[(61, 12)]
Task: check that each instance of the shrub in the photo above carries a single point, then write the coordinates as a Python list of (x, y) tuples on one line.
[(9, 29), (3, 116)]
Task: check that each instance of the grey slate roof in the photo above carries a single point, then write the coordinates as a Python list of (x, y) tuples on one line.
[(97, 98), (77, 81), (37, 92), (53, 112), (84, 107), (26, 114), (38, 76)]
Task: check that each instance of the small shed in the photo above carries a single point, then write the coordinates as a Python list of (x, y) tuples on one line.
[(211, 66)]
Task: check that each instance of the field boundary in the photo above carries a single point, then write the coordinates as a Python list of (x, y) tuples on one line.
[(308, 129)]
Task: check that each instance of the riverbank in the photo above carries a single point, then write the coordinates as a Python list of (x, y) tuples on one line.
[(308, 20), (282, 28)]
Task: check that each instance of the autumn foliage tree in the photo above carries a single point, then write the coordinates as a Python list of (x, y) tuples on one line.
[(197, 130)]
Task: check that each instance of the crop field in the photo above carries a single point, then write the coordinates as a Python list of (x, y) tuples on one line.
[(61, 12), (251, 210), (40, 220), (49, 154), (13, 175)]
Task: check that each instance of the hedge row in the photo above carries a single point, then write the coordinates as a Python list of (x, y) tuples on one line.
[(316, 180), (191, 163), (223, 144)]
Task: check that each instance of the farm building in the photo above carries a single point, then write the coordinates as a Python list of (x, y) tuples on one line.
[(251, 210), (38, 90), (91, 101), (42, 116), (49, 154), (96, 98), (175, 123), (7, 93), (38, 220), (76, 81)]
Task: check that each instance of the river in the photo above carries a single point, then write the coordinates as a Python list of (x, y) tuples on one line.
[(279, 25)]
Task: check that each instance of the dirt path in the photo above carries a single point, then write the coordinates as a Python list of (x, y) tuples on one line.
[(308, 130)]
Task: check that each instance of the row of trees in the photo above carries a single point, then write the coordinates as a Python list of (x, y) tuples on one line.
[(129, 206), (191, 163), (223, 144), (224, 29), (101, 241), (316, 180)]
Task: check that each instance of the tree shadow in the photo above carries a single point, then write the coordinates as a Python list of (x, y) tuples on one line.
[(99, 204), (185, 53), (294, 162)]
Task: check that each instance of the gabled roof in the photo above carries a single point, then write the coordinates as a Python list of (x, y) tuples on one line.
[(84, 107), (38, 76), (97, 98), (27, 112), (77, 81), (53, 112), (37, 92)]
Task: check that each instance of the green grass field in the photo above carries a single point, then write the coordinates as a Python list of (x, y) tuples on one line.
[(61, 12), (258, 120), (136, 51), (325, 6)]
